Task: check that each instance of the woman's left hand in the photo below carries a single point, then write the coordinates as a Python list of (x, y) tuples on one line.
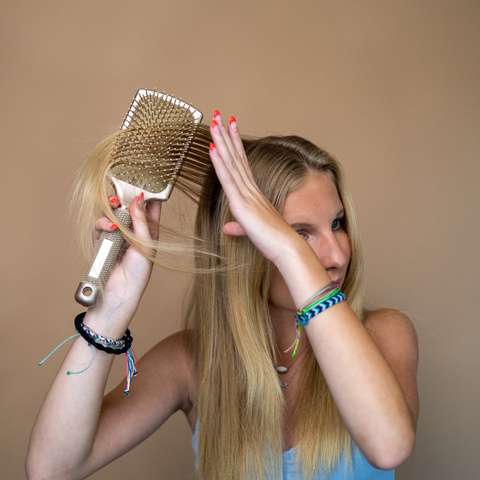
[(255, 216)]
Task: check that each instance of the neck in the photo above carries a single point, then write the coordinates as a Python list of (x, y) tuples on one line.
[(284, 329)]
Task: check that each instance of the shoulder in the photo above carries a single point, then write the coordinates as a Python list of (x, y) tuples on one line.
[(175, 347), (387, 325), (162, 386), (166, 373), (395, 336), (172, 357)]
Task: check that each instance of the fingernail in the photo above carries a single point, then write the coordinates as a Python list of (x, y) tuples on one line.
[(114, 200), (113, 226), (215, 126), (212, 147), (233, 124), (140, 197), (216, 113)]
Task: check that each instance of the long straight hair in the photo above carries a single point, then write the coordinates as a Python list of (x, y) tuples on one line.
[(240, 403)]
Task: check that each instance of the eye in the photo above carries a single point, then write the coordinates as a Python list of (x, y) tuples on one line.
[(338, 223)]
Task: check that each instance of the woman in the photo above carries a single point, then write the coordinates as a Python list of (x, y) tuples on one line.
[(255, 411)]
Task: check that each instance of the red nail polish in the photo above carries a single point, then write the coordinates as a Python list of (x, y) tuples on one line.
[(232, 119), (212, 147), (215, 125), (113, 226), (114, 200), (216, 113), (140, 197)]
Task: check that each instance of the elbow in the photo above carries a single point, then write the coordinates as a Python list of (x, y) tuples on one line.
[(31, 467), (390, 454), (32, 471), (37, 468)]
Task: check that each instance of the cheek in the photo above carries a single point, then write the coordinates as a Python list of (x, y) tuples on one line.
[(345, 245)]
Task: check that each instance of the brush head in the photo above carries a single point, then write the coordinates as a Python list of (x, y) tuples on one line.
[(152, 145)]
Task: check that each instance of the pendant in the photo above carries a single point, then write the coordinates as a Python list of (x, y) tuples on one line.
[(284, 384), (282, 369)]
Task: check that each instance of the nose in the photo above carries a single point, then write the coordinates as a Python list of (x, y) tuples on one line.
[(331, 252)]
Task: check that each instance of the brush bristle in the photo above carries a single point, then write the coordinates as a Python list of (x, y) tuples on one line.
[(158, 131)]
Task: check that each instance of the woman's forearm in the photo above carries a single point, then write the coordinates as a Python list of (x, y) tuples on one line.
[(64, 431), (63, 436), (366, 390)]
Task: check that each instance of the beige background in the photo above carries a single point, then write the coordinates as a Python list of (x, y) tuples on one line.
[(391, 88)]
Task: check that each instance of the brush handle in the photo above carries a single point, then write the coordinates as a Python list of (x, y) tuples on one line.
[(103, 259)]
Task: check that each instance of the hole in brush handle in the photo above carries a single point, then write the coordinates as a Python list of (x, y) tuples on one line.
[(103, 259)]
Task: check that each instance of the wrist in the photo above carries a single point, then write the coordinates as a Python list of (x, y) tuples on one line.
[(302, 272), (108, 322)]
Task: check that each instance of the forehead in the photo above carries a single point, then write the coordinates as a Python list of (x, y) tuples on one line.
[(317, 195)]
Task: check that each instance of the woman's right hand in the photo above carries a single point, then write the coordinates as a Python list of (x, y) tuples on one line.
[(130, 275), (76, 431)]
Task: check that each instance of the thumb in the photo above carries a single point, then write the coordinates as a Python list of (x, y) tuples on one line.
[(234, 229)]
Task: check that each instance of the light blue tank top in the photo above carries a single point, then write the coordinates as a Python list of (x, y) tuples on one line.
[(361, 469)]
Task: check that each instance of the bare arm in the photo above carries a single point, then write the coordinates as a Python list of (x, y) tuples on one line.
[(371, 379), (76, 431), (371, 373)]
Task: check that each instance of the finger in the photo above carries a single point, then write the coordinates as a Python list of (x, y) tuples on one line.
[(237, 141), (234, 134), (221, 138), (105, 224), (139, 220), (154, 209), (233, 229), (114, 201), (225, 134), (224, 174), (235, 148), (234, 142), (227, 153)]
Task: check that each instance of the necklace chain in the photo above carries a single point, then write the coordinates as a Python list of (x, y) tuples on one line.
[(281, 369), (285, 384)]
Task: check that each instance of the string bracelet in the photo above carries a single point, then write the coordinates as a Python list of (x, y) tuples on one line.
[(323, 294), (115, 347), (320, 294), (323, 299), (295, 343)]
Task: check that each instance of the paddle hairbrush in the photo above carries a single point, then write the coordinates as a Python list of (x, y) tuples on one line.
[(146, 157)]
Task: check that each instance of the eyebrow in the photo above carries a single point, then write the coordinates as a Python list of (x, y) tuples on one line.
[(300, 225), (296, 225)]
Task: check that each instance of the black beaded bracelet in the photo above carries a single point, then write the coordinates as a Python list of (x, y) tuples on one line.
[(115, 347)]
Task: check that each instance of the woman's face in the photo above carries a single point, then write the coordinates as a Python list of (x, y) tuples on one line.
[(316, 212)]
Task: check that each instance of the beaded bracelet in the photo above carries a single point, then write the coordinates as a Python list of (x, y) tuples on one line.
[(115, 347)]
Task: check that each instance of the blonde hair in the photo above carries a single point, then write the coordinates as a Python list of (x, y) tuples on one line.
[(89, 201), (240, 403)]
